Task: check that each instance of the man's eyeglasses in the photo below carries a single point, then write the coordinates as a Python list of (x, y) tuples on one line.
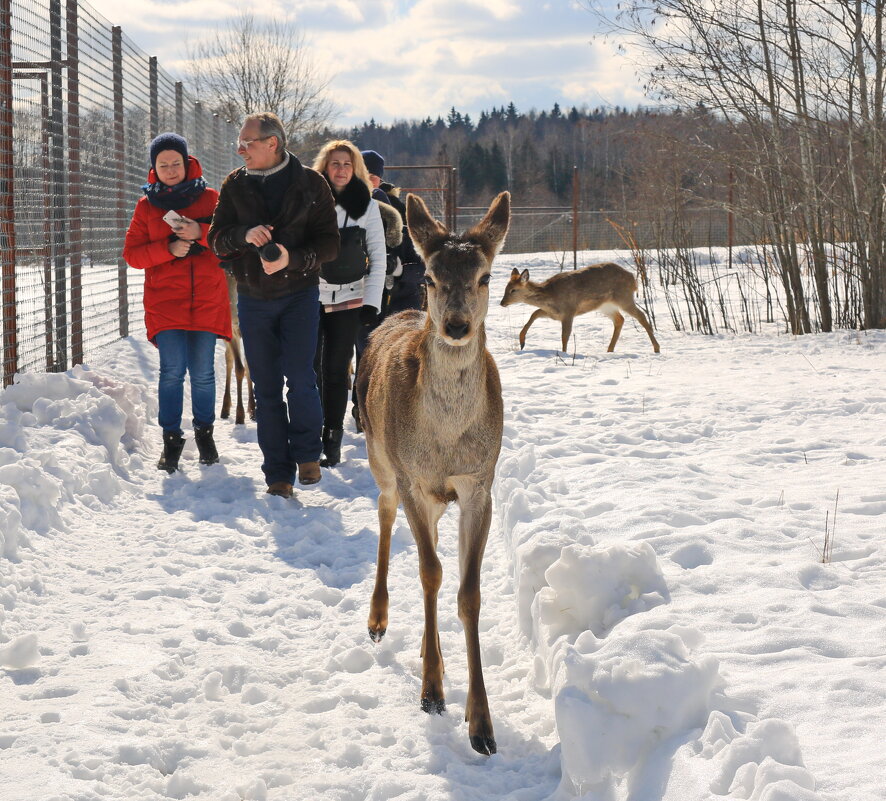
[(243, 144)]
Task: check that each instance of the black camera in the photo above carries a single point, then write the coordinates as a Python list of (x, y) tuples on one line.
[(270, 251)]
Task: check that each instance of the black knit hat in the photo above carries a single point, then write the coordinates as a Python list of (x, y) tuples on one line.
[(168, 141), (375, 164)]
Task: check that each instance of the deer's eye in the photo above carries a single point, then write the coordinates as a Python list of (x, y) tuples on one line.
[(484, 279), (429, 281)]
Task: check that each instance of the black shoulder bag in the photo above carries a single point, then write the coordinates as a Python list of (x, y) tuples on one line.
[(353, 260)]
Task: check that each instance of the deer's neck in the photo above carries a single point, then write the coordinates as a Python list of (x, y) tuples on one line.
[(453, 375), (533, 295)]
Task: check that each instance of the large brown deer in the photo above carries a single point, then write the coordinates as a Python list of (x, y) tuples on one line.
[(606, 288), (430, 401), (235, 361)]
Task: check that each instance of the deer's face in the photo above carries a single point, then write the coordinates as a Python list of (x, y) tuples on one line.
[(457, 278), (458, 267), (515, 291)]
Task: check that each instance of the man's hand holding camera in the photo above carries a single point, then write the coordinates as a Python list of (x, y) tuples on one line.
[(261, 238)]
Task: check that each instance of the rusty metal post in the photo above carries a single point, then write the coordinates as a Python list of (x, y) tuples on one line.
[(179, 108), (730, 219), (59, 234), (7, 198), (45, 143), (575, 190), (453, 199), (75, 243), (120, 173), (154, 99)]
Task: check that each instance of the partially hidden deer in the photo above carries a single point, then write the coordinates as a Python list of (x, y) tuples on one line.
[(606, 288), (235, 362), (429, 398)]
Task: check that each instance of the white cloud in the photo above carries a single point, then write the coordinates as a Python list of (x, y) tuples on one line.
[(408, 59)]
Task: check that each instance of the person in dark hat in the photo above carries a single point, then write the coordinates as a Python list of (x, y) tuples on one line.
[(186, 295)]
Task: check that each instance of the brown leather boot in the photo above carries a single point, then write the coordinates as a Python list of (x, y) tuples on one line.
[(280, 488), (308, 472)]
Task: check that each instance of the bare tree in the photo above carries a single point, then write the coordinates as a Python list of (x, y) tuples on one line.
[(800, 83), (249, 66)]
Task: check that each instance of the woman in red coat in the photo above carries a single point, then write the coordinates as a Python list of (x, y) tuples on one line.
[(186, 295)]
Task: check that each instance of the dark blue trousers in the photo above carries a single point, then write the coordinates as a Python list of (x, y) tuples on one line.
[(280, 340)]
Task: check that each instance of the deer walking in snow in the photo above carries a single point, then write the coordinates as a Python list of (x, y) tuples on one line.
[(235, 362), (430, 402), (606, 288)]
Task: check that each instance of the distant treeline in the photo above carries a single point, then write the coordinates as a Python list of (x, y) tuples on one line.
[(532, 154)]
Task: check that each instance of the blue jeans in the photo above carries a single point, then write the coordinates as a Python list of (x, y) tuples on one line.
[(280, 340), (192, 352)]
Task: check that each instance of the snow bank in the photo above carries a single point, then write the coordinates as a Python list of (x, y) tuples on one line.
[(628, 690), (64, 438)]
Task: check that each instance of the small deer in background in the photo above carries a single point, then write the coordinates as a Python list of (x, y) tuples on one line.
[(235, 361), (430, 402), (606, 288)]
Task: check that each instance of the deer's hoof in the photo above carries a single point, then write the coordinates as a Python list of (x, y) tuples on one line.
[(437, 705), (483, 744), (376, 634)]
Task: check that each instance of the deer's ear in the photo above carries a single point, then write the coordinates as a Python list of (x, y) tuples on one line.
[(493, 228), (426, 232), (515, 273), (524, 277)]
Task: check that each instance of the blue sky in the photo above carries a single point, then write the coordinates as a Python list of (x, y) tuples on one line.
[(409, 59)]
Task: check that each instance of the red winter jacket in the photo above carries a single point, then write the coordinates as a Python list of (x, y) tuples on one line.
[(189, 293)]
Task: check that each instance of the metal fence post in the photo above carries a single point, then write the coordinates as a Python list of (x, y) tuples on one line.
[(59, 238), (120, 172), (7, 203), (575, 217), (74, 202), (154, 99), (179, 108)]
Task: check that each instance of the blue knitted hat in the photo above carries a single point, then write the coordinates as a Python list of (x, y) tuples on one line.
[(168, 141), (375, 164)]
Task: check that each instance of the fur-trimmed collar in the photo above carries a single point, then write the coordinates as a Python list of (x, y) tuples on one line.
[(354, 198)]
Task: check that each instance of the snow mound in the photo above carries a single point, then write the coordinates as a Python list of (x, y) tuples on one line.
[(617, 700)]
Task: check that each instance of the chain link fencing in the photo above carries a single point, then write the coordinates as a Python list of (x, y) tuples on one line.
[(80, 104)]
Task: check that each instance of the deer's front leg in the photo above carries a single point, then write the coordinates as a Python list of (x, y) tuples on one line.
[(535, 315), (423, 511), (476, 514)]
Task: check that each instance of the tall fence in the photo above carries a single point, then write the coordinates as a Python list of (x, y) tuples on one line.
[(79, 104)]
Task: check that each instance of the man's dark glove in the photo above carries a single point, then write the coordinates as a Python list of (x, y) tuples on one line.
[(368, 315)]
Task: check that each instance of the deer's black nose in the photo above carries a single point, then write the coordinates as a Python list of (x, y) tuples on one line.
[(457, 330)]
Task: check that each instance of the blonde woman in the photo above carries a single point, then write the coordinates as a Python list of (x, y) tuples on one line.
[(351, 287)]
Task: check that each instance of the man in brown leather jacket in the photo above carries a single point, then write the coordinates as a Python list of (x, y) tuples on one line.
[(274, 225)]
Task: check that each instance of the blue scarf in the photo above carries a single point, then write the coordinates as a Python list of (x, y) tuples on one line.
[(175, 197)]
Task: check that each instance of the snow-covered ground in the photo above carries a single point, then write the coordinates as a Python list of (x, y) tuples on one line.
[(657, 622)]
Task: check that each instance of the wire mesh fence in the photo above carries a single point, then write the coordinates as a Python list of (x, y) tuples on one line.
[(80, 103), (539, 230)]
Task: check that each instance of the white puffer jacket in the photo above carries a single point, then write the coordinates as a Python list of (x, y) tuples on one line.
[(371, 287)]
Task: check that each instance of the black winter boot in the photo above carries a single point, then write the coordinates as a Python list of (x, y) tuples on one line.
[(331, 447), (205, 444), (172, 450)]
